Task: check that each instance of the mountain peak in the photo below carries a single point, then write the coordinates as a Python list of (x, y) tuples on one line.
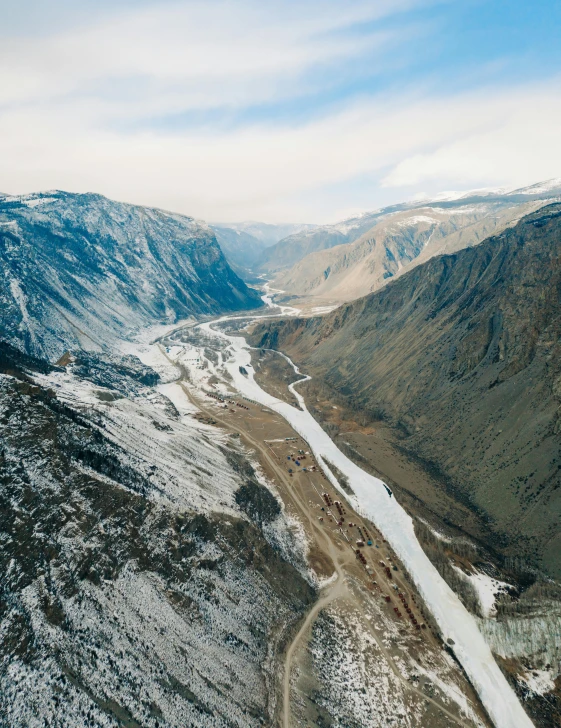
[(81, 270)]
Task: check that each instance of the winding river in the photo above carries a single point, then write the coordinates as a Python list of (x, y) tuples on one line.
[(373, 500)]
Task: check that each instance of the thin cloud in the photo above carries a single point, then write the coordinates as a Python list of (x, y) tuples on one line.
[(77, 109), (180, 50)]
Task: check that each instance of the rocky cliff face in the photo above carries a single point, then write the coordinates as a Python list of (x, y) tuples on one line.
[(81, 271), (462, 356)]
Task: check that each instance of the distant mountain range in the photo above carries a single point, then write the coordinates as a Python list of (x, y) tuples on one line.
[(267, 233), (80, 271), (359, 255), (243, 243), (462, 357)]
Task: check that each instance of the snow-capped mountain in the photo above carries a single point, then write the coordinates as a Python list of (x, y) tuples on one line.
[(358, 255), (80, 271)]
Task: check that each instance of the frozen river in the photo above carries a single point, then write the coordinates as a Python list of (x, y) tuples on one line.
[(372, 499)]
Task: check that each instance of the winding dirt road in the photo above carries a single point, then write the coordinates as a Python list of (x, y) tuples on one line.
[(333, 591)]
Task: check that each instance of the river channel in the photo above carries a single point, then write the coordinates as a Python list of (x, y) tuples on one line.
[(374, 500)]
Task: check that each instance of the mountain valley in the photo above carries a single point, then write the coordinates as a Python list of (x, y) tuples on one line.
[(445, 384), (178, 553), (341, 262), (244, 243), (280, 364), (461, 356)]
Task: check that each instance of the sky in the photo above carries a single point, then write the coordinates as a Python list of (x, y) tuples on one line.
[(278, 111)]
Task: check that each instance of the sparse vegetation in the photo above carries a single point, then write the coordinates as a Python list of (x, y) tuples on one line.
[(441, 553), (341, 477), (449, 356)]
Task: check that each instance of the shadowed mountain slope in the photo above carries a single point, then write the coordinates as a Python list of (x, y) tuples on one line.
[(462, 356), (244, 243), (240, 248)]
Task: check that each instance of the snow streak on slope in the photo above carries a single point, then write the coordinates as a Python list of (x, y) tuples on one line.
[(187, 468)]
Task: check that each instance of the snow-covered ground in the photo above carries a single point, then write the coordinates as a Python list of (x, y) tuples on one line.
[(487, 590), (190, 471), (539, 681), (181, 630), (458, 627), (357, 686)]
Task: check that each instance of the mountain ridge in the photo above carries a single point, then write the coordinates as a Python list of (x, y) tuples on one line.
[(80, 270), (461, 355), (393, 246), (356, 256)]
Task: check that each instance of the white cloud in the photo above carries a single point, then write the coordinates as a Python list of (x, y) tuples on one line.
[(515, 139), (194, 54), (70, 102), (506, 138)]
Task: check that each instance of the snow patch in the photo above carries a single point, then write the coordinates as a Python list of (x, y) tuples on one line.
[(19, 297), (539, 682), (416, 220), (38, 201), (487, 589)]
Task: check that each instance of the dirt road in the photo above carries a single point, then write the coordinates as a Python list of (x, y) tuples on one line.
[(333, 591)]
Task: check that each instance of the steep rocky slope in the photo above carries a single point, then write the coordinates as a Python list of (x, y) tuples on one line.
[(240, 248), (462, 357), (298, 245), (359, 255), (393, 246), (144, 578), (245, 242), (83, 271), (267, 233)]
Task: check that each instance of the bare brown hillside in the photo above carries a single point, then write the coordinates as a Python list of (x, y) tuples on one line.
[(396, 244)]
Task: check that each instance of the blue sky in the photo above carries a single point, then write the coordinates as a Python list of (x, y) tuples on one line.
[(279, 111)]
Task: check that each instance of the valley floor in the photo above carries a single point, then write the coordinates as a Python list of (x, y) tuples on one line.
[(378, 452), (343, 638), (360, 658)]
